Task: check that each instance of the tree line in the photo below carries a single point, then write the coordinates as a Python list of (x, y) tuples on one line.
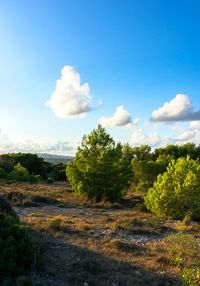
[(170, 176), (29, 167)]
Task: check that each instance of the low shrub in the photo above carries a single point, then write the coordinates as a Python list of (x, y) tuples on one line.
[(16, 249), (191, 276), (49, 180), (182, 249), (3, 173), (5, 207)]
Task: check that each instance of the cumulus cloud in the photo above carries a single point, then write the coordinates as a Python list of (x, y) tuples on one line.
[(178, 109), (70, 98), (121, 117), (191, 134), (139, 137)]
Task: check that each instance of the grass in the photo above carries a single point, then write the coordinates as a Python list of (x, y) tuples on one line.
[(101, 244)]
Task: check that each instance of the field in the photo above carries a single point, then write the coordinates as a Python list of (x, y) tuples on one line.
[(82, 243)]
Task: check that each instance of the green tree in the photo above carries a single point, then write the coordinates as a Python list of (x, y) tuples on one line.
[(143, 152), (177, 191), (145, 173), (3, 173), (100, 169), (19, 174)]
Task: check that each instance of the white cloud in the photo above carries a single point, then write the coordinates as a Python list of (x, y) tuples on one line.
[(40, 146), (70, 98), (139, 137), (121, 117), (191, 134), (178, 109)]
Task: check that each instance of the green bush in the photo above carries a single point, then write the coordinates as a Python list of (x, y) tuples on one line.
[(49, 180), (100, 169), (19, 174), (191, 276), (33, 179), (5, 207), (3, 173), (15, 247), (177, 191)]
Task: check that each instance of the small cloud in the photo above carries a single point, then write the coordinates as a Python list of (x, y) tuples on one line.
[(70, 98), (120, 118), (191, 134), (178, 109), (139, 137)]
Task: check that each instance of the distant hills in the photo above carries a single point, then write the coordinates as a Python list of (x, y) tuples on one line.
[(55, 159)]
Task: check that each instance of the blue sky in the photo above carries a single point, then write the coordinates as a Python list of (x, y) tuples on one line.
[(135, 55)]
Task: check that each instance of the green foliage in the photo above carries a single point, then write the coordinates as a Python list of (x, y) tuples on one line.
[(49, 180), (19, 174), (100, 169), (145, 173), (142, 153), (59, 172), (15, 247), (3, 173), (177, 151), (191, 276), (177, 191)]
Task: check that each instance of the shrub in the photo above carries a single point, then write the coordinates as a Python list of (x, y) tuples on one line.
[(15, 247), (33, 179), (5, 206), (19, 174), (191, 276), (49, 180), (177, 191), (100, 170), (3, 173)]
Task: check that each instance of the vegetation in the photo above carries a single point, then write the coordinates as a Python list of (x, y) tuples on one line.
[(15, 245), (99, 170), (112, 230), (177, 191), (25, 167), (191, 276)]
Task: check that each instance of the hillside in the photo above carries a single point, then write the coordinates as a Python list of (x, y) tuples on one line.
[(55, 159)]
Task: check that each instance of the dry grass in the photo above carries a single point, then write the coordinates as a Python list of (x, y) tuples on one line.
[(102, 244)]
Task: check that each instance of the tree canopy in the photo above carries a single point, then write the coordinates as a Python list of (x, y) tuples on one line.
[(177, 191), (100, 169)]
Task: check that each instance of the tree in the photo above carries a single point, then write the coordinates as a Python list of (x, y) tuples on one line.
[(145, 173), (3, 173), (143, 152), (19, 174), (177, 191), (100, 169)]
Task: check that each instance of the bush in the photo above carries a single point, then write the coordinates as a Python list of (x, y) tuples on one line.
[(100, 170), (49, 180), (191, 276), (15, 247), (5, 206), (33, 179), (177, 191), (3, 173), (19, 174)]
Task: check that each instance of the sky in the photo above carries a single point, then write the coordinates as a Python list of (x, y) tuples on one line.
[(66, 66)]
